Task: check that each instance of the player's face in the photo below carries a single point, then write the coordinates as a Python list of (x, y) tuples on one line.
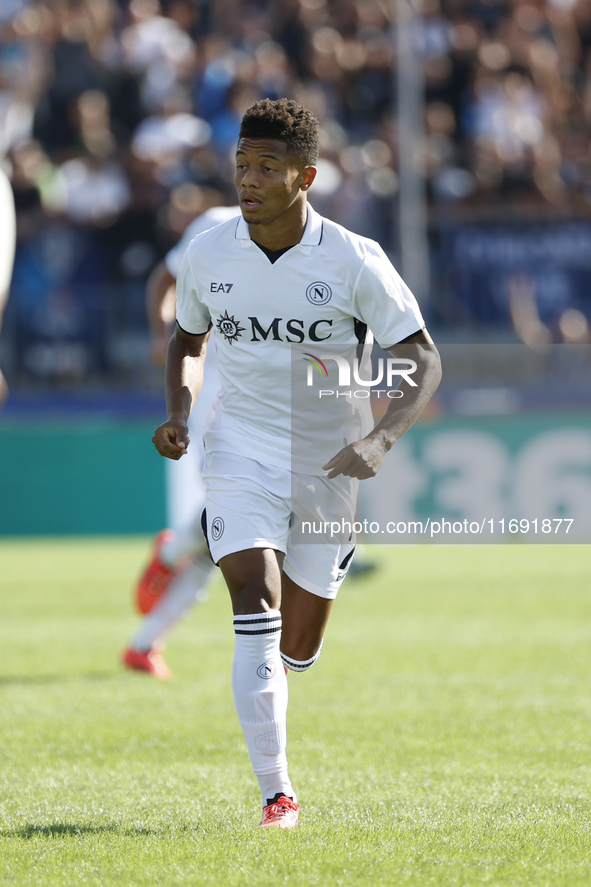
[(269, 180)]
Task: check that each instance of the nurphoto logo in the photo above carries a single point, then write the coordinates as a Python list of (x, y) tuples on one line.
[(386, 370)]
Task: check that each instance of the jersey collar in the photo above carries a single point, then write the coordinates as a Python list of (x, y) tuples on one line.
[(312, 232)]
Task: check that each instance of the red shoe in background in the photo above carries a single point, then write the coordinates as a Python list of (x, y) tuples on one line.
[(150, 661), (156, 579)]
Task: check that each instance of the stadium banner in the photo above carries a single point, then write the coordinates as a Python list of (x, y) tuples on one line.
[(501, 454), (483, 268)]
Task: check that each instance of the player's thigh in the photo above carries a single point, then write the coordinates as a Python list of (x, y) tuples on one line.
[(304, 616), (247, 523), (253, 577), (312, 576), (318, 568)]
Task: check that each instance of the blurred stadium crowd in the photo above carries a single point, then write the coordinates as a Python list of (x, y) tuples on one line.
[(118, 122)]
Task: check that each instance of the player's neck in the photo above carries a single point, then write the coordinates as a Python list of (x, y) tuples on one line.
[(284, 230)]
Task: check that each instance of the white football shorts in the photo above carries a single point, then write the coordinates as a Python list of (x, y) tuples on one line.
[(250, 505)]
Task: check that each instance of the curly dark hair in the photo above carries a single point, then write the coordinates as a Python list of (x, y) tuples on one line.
[(285, 121)]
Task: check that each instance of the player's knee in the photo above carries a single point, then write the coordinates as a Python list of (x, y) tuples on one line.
[(301, 664), (253, 596), (253, 578)]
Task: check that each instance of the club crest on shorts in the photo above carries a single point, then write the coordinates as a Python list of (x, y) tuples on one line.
[(229, 327), (217, 528), (266, 671), (319, 293)]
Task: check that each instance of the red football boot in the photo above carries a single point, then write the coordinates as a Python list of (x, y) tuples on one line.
[(156, 579), (283, 812), (150, 661)]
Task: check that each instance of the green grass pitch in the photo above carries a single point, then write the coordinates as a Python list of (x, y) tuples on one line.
[(443, 738)]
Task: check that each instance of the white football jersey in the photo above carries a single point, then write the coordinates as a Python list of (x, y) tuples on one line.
[(325, 291), (209, 219)]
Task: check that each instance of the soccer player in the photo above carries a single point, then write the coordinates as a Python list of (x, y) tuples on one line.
[(180, 568), (277, 279), (7, 243)]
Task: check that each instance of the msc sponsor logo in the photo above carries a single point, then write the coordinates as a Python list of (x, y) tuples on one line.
[(319, 293), (217, 528), (278, 330), (266, 671), (293, 330), (229, 327)]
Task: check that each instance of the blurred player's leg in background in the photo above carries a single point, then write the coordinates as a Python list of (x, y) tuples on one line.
[(187, 588), (362, 564), (180, 569)]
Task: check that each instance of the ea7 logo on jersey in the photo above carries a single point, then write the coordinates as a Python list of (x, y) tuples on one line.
[(220, 287), (319, 293), (229, 327)]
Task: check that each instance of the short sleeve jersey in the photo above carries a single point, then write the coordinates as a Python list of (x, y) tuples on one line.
[(327, 291), (209, 219)]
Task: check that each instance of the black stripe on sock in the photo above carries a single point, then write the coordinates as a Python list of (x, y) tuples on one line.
[(258, 621), (259, 631), (294, 665)]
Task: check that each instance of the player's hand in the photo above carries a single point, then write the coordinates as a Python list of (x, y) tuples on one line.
[(361, 459), (171, 439)]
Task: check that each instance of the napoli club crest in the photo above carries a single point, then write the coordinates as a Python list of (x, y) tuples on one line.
[(266, 671), (319, 293), (217, 528)]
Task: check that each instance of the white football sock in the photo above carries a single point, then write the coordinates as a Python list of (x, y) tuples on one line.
[(259, 684), (301, 665), (186, 589)]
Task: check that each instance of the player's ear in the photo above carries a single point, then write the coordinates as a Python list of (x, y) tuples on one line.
[(308, 178)]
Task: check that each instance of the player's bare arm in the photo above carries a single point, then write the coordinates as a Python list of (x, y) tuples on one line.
[(184, 378), (7, 247), (363, 458), (160, 308)]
